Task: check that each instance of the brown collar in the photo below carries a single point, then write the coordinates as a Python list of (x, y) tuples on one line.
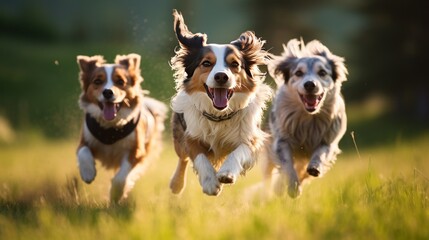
[(214, 118)]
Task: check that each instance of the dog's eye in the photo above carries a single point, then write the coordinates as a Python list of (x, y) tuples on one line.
[(235, 64), (97, 81), (120, 82), (299, 73), (206, 64), (322, 73)]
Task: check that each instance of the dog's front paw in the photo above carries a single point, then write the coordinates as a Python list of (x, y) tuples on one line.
[(314, 170), (226, 177), (229, 171), (294, 190), (211, 185), (86, 164), (87, 173)]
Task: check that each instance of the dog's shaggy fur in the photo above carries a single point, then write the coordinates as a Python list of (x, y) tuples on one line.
[(121, 127), (218, 107), (308, 117)]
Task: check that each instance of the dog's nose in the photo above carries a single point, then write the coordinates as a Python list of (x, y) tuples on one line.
[(309, 86), (107, 93), (221, 77)]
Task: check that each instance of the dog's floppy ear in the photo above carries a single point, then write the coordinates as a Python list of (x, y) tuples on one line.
[(132, 63), (280, 67), (186, 38), (339, 70), (187, 57)]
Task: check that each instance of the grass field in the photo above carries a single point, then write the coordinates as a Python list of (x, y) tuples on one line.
[(380, 192), (381, 195)]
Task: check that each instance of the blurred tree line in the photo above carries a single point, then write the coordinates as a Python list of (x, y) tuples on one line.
[(384, 43)]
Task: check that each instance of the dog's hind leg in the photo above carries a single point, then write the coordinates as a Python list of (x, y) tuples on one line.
[(86, 164), (266, 160), (267, 167), (178, 181), (119, 181)]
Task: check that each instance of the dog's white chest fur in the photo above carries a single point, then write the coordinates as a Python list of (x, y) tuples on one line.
[(304, 131), (243, 127)]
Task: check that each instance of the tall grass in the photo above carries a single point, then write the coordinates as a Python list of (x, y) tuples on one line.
[(382, 195)]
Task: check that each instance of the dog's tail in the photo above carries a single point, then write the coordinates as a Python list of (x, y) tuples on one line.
[(159, 111)]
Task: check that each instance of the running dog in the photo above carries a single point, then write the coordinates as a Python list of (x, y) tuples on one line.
[(218, 107), (308, 117), (121, 127)]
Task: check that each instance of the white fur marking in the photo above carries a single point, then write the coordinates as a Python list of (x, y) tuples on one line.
[(207, 175), (238, 161), (220, 66), (109, 71), (86, 164)]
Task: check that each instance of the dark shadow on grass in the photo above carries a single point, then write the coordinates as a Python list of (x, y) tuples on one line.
[(23, 206)]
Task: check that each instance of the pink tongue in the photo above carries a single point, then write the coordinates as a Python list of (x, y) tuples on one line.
[(109, 111), (220, 97), (311, 100)]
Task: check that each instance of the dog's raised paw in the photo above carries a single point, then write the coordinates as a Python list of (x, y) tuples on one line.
[(87, 174), (211, 186), (226, 178), (313, 171), (212, 189), (294, 191)]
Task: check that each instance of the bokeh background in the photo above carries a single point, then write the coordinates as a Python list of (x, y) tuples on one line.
[(384, 43), (378, 189)]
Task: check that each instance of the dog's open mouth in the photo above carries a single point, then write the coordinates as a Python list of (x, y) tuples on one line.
[(311, 101), (219, 96), (110, 109)]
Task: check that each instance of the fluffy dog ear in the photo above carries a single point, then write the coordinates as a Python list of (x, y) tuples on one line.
[(132, 63), (186, 59), (186, 38), (339, 70), (251, 47), (279, 67), (87, 64)]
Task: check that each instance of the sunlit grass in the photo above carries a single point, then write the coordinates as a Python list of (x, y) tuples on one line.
[(382, 195)]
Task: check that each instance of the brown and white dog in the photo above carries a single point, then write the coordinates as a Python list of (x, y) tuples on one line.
[(308, 117), (121, 127), (218, 107)]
